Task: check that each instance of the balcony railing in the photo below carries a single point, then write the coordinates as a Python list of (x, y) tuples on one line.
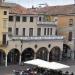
[(46, 23), (36, 38)]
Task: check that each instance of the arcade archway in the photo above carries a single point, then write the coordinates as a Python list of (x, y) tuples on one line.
[(42, 53), (27, 54), (54, 54), (13, 56), (2, 57), (66, 52)]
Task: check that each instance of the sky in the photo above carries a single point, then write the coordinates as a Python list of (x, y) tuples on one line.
[(35, 3)]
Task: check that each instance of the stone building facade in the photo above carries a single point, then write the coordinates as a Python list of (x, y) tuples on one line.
[(44, 33), (31, 36)]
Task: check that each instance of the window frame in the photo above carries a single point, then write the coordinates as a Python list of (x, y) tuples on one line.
[(40, 19), (70, 36), (51, 31), (31, 19), (11, 18), (17, 18), (23, 31), (5, 12), (30, 31), (48, 31), (10, 29), (70, 22), (17, 31), (38, 31), (45, 30), (24, 19)]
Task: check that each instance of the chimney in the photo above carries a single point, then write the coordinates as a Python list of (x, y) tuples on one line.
[(32, 7)]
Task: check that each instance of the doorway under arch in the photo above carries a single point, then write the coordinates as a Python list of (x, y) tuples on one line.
[(27, 54), (66, 52), (54, 54), (13, 56), (2, 57), (42, 53)]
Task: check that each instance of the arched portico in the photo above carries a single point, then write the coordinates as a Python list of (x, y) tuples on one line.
[(54, 54), (13, 56), (2, 57), (27, 54), (66, 51), (42, 53)]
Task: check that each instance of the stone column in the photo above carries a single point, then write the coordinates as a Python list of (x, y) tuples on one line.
[(34, 55), (20, 59), (72, 55), (60, 56), (6, 60), (48, 56)]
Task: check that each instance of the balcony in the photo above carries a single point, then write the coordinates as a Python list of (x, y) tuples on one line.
[(52, 23), (36, 38)]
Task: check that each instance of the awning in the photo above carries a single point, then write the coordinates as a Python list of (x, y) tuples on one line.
[(46, 64)]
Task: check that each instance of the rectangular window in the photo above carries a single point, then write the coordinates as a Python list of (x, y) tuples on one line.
[(38, 31), (56, 32), (4, 39), (31, 19), (70, 36), (48, 31), (10, 18), (70, 22), (30, 31), (17, 30), (24, 19), (39, 18), (18, 18), (23, 31), (10, 29), (5, 12), (44, 31)]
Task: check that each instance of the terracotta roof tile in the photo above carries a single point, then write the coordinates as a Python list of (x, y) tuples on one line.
[(66, 9), (52, 10), (18, 9)]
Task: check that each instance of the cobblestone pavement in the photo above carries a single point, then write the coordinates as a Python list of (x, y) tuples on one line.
[(10, 68)]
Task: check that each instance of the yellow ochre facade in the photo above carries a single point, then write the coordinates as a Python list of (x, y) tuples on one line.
[(4, 11)]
